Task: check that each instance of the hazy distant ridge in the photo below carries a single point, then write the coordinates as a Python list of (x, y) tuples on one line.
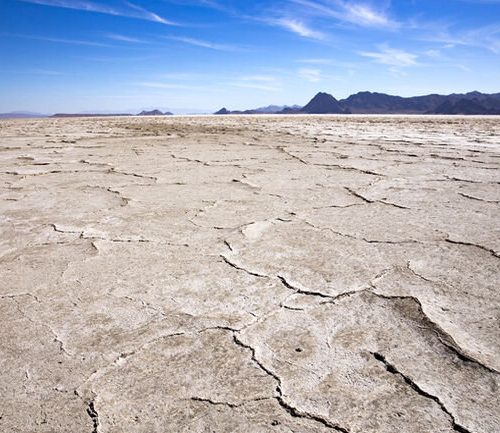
[(323, 103)]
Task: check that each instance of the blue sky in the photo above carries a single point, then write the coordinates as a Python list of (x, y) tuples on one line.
[(200, 55)]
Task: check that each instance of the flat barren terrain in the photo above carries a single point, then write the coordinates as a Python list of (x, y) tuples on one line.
[(250, 275)]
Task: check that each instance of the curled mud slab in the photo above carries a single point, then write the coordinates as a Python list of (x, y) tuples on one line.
[(250, 274)]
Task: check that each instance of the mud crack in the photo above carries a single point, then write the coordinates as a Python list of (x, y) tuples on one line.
[(292, 411), (240, 268), (393, 370), (94, 416)]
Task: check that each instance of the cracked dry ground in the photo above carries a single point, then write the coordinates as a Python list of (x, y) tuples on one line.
[(250, 274)]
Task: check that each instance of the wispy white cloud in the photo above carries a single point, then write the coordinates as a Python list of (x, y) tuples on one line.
[(486, 37), (128, 9), (147, 15), (59, 40), (296, 26), (353, 12), (315, 61), (392, 57), (364, 15), (205, 44), (125, 38), (312, 75), (433, 53), (212, 4), (297, 16)]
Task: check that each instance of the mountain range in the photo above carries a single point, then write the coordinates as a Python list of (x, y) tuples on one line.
[(324, 103), (381, 103)]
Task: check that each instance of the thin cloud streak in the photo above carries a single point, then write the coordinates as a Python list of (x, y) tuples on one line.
[(124, 38), (311, 75), (148, 15), (356, 13), (296, 26), (131, 11), (315, 61), (205, 44), (59, 40), (486, 37), (392, 57)]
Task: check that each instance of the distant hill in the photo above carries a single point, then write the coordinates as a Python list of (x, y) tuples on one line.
[(273, 109), (154, 113), (324, 103), (21, 115), (270, 109)]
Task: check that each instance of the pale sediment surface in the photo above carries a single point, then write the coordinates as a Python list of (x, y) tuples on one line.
[(250, 274)]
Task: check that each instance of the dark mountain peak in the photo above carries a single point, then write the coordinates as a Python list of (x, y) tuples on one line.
[(372, 102), (322, 95), (364, 93), (323, 103), (223, 110)]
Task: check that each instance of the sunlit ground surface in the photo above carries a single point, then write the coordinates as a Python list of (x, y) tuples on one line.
[(250, 274)]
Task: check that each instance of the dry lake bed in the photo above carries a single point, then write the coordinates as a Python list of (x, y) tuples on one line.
[(250, 274)]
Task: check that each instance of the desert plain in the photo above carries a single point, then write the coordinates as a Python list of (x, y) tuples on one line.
[(250, 274)]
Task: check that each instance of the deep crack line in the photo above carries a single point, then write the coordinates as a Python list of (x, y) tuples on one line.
[(288, 285), (443, 336), (94, 416), (226, 403), (240, 343), (292, 411), (470, 244), (282, 149), (363, 239), (299, 414), (239, 268), (369, 201), (471, 197), (215, 403), (393, 370), (82, 235)]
